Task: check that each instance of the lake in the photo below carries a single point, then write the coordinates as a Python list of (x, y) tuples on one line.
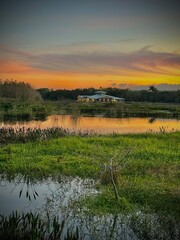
[(101, 125)]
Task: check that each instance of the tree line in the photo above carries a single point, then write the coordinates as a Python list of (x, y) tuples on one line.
[(151, 95), (24, 91), (18, 90)]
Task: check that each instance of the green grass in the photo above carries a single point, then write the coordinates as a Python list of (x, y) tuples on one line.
[(148, 177)]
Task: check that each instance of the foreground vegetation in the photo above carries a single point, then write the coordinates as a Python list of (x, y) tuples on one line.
[(145, 167), (31, 226)]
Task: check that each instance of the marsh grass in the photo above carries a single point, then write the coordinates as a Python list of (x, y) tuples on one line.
[(11, 109), (150, 178), (23, 135), (127, 109), (137, 225), (31, 226)]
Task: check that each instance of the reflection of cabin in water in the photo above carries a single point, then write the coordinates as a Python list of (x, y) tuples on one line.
[(99, 96)]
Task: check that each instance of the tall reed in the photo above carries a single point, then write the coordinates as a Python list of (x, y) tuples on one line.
[(23, 135)]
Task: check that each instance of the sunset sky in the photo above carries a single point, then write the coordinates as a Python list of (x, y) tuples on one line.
[(98, 43)]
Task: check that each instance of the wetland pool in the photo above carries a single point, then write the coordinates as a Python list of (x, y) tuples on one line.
[(59, 198)]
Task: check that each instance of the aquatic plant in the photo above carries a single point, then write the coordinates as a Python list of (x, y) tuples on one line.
[(23, 135), (31, 226)]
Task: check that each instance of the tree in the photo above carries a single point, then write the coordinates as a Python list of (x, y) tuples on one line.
[(18, 90), (152, 89)]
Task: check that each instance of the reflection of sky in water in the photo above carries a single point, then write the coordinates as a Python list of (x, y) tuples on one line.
[(57, 199), (66, 190), (100, 124)]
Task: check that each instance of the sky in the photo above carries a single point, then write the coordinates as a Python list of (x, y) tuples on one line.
[(99, 43)]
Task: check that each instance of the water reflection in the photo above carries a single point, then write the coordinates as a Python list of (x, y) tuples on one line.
[(152, 120), (33, 195), (100, 124), (59, 198), (27, 187)]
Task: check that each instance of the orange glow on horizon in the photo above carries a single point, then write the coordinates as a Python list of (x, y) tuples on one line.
[(39, 78)]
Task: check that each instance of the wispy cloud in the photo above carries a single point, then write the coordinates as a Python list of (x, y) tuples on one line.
[(12, 52), (142, 61)]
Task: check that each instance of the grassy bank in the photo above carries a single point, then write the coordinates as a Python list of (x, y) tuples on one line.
[(17, 110), (126, 109), (146, 174), (11, 109)]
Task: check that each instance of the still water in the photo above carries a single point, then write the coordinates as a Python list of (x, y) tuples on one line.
[(59, 198), (23, 195), (100, 124)]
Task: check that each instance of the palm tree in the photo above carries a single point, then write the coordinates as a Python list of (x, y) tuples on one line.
[(152, 89)]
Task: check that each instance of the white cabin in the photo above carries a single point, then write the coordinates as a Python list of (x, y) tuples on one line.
[(99, 96)]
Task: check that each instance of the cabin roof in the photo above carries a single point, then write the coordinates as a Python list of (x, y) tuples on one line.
[(97, 96)]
